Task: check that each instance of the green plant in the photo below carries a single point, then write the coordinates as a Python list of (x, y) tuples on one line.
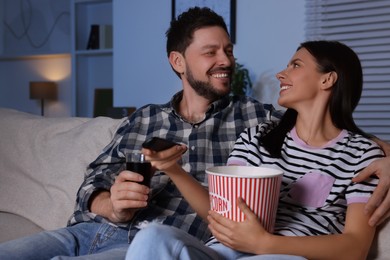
[(241, 82)]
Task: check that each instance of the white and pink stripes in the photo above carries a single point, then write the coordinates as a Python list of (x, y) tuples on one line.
[(260, 192)]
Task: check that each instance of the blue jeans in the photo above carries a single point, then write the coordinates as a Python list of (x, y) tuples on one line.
[(165, 242), (83, 241)]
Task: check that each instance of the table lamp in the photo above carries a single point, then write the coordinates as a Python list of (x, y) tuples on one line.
[(43, 90)]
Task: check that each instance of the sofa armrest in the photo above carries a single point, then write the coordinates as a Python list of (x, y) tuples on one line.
[(13, 226), (380, 249)]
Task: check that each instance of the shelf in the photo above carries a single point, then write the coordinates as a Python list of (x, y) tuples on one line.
[(94, 52), (34, 56), (88, 13), (91, 1), (92, 68)]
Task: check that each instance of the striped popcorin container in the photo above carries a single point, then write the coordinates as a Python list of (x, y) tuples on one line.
[(258, 186)]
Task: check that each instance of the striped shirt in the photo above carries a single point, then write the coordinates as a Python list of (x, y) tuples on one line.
[(317, 181), (209, 143)]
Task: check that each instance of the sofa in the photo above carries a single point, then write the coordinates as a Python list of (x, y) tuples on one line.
[(42, 164)]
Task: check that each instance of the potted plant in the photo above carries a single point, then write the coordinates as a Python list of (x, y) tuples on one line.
[(241, 82)]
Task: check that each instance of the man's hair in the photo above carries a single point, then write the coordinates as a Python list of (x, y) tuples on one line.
[(180, 34)]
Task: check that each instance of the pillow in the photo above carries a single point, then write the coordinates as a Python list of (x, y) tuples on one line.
[(43, 162)]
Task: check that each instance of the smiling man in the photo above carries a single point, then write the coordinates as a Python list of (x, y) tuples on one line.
[(111, 202), (205, 69)]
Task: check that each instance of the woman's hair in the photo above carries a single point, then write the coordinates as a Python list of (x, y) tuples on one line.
[(345, 93), (181, 31)]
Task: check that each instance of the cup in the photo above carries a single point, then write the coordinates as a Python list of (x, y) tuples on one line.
[(258, 186), (136, 162)]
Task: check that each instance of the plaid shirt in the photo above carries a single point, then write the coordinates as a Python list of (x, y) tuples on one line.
[(209, 144)]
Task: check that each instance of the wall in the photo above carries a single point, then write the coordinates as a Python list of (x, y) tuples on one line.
[(30, 28), (16, 75), (268, 31), (267, 34)]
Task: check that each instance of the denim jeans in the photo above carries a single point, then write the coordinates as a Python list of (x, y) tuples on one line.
[(165, 242), (81, 241)]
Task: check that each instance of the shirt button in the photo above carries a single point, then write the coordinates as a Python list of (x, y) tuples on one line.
[(192, 148)]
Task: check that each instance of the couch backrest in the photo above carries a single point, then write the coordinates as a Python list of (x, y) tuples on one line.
[(43, 161)]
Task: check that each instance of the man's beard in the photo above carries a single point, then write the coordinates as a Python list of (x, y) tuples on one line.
[(205, 89)]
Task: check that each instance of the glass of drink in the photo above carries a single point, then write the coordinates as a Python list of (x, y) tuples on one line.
[(135, 162)]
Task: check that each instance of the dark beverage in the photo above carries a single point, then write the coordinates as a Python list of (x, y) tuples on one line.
[(143, 168)]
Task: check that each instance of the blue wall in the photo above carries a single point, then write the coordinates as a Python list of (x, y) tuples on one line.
[(267, 34)]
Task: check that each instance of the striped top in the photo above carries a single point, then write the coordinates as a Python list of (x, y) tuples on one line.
[(317, 186)]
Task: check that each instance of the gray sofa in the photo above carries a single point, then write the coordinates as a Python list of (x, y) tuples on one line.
[(42, 162)]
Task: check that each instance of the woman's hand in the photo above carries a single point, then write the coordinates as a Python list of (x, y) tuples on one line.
[(247, 236), (165, 160)]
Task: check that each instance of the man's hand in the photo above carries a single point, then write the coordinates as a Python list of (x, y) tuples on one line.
[(385, 146), (378, 205), (126, 196)]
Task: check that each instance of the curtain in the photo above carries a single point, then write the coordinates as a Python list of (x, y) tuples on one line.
[(365, 27)]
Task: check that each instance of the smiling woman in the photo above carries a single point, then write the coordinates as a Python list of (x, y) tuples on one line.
[(318, 148)]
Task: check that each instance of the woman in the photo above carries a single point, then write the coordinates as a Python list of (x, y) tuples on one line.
[(319, 148)]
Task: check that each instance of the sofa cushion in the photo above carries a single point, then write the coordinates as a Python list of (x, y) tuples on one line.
[(43, 161)]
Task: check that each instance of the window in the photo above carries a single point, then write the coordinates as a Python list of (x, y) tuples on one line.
[(365, 27)]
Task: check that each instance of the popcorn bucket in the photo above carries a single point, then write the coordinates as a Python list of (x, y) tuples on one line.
[(258, 186)]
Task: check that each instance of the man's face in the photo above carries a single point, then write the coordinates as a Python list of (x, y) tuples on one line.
[(209, 63)]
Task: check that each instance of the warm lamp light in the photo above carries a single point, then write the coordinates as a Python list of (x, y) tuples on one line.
[(43, 90)]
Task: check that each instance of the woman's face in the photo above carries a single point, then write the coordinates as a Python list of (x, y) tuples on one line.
[(300, 82)]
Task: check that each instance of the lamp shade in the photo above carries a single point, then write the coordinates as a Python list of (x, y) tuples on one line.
[(43, 90)]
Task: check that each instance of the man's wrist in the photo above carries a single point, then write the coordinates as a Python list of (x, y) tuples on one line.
[(100, 203), (384, 145)]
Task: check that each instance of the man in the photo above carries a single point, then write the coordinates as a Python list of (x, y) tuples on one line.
[(111, 205)]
